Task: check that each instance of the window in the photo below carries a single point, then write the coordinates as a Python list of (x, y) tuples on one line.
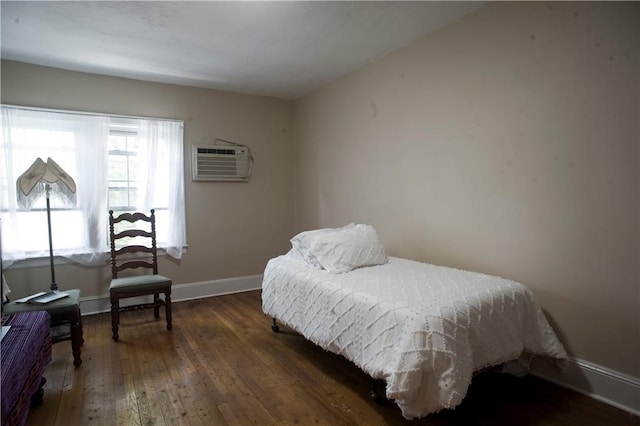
[(118, 163), (123, 165)]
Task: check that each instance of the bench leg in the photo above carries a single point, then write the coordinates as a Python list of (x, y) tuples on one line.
[(38, 396), (76, 337), (81, 331), (115, 316)]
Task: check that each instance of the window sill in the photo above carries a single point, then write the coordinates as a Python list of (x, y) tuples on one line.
[(38, 262)]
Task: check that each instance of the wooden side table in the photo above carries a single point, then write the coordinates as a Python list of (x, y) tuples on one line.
[(62, 311)]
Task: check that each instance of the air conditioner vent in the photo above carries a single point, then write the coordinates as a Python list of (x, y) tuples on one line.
[(220, 163)]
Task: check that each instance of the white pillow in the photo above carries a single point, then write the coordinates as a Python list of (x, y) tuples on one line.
[(303, 241), (347, 249), (295, 255)]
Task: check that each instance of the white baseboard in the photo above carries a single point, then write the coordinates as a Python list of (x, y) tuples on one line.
[(179, 292), (606, 385), (611, 387)]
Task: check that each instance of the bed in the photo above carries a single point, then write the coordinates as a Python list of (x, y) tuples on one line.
[(423, 329)]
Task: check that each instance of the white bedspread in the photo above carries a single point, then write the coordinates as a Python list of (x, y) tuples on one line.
[(422, 328)]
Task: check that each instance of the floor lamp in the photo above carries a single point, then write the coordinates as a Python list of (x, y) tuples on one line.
[(44, 179)]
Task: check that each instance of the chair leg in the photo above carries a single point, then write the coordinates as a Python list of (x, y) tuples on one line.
[(156, 305), (76, 337), (115, 316), (167, 306)]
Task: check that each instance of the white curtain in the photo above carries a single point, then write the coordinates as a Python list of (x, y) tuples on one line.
[(74, 141), (92, 193), (162, 184), (79, 144)]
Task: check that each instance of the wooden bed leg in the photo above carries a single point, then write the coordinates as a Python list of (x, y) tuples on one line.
[(378, 391), (275, 327)]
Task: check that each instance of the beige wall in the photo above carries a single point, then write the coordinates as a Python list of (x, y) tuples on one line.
[(506, 143), (232, 228)]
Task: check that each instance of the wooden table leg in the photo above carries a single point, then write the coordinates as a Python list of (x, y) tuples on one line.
[(76, 337)]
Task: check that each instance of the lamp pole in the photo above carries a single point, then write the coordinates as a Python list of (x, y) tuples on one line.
[(54, 285)]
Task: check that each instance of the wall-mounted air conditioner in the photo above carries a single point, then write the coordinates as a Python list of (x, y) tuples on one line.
[(220, 163)]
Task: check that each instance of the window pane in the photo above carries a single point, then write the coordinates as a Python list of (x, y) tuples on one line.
[(118, 198), (35, 231), (117, 142), (118, 169), (123, 169), (132, 166), (132, 143)]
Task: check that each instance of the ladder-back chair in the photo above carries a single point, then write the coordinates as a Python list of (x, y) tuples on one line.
[(128, 252)]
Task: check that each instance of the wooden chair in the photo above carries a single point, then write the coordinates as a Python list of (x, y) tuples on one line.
[(126, 254)]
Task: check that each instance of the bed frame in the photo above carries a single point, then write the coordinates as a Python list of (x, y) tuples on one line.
[(377, 393), (420, 346)]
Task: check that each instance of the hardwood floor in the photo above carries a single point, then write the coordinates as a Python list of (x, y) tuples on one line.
[(222, 365)]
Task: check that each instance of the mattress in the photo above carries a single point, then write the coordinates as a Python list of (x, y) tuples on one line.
[(423, 329)]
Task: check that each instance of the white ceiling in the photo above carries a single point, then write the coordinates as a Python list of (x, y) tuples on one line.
[(281, 49)]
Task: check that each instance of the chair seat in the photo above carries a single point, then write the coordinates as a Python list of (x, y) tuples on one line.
[(139, 283)]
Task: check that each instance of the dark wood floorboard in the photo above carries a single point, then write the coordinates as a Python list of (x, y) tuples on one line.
[(222, 365)]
